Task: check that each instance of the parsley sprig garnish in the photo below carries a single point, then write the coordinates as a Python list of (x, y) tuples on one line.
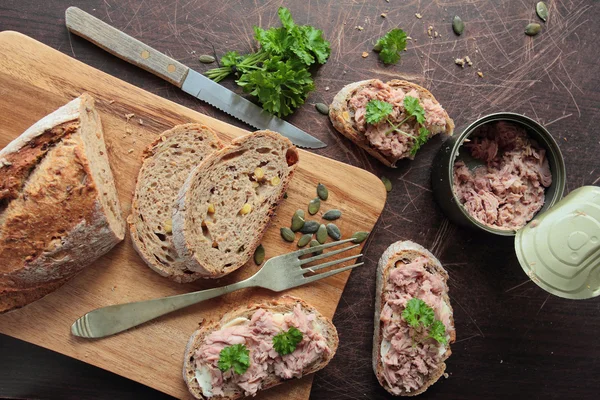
[(422, 318), (277, 74), (378, 111), (236, 356), (286, 342), (390, 46)]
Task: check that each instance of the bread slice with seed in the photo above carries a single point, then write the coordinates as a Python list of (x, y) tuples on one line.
[(342, 116), (285, 304), (398, 255), (166, 164), (226, 203), (59, 209)]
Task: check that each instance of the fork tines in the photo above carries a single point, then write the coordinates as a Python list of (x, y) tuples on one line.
[(327, 255)]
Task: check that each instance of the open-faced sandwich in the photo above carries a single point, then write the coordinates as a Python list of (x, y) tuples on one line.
[(414, 325), (256, 347), (389, 120)]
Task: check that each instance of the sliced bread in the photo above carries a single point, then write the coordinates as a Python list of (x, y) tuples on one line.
[(400, 255), (226, 203), (166, 164), (59, 209), (243, 315), (342, 115)]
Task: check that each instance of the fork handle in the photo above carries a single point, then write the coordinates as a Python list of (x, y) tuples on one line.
[(109, 320)]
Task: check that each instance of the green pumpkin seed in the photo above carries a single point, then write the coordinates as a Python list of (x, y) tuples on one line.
[(332, 215), (360, 237), (310, 227), (322, 108), (297, 221), (322, 191), (314, 205), (458, 26), (259, 254), (542, 11), (285, 195), (287, 234), (533, 29), (387, 183), (334, 231), (206, 59), (322, 234), (314, 243), (304, 239)]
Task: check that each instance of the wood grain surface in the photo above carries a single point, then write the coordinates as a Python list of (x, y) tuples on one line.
[(513, 339), (132, 119)]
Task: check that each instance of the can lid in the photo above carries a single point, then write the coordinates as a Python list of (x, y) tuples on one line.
[(560, 249)]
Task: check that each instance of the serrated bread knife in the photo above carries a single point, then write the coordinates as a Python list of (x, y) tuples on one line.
[(194, 83)]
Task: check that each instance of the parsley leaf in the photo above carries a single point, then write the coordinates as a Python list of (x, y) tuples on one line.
[(413, 108), (280, 86), (418, 313), (286, 342), (420, 141), (438, 332), (377, 111), (231, 58), (236, 356), (390, 46)]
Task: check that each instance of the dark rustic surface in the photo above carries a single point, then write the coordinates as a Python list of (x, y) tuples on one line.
[(512, 337)]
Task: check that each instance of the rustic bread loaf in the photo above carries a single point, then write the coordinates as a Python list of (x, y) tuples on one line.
[(59, 209), (166, 164), (285, 304), (342, 115), (226, 203), (398, 255)]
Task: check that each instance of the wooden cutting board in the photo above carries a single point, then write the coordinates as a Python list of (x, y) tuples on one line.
[(34, 81)]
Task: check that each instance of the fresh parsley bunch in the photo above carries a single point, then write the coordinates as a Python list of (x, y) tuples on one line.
[(378, 111), (277, 74), (286, 342), (421, 317)]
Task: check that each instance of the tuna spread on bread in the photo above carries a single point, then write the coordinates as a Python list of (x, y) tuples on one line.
[(382, 136), (508, 190), (408, 355), (256, 334)]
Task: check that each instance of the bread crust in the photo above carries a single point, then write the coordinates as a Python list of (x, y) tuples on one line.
[(395, 252), (53, 222), (341, 117), (283, 304), (170, 271), (182, 238)]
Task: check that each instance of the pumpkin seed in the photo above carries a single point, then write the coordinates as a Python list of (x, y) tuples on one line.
[(314, 243), (304, 239), (322, 191), (206, 59), (314, 205), (360, 237), (387, 183), (287, 234), (322, 108), (332, 215), (259, 255), (533, 29), (458, 26), (285, 195), (322, 234), (542, 10), (310, 227), (334, 231), (297, 221)]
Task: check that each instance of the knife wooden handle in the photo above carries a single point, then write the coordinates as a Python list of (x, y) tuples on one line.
[(124, 46)]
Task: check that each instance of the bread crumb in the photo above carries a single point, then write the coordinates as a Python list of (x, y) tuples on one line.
[(408, 38), (446, 375), (129, 116), (480, 74), (128, 131), (429, 30), (435, 34), (326, 88), (365, 54), (358, 27), (501, 361), (468, 60), (111, 101), (130, 151), (383, 15), (418, 15), (460, 61), (141, 122)]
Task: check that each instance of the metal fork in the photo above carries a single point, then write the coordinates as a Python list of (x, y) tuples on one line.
[(279, 273)]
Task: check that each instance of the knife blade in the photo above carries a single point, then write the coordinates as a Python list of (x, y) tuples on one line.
[(194, 83)]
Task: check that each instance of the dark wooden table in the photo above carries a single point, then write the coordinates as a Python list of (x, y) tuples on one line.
[(513, 339)]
